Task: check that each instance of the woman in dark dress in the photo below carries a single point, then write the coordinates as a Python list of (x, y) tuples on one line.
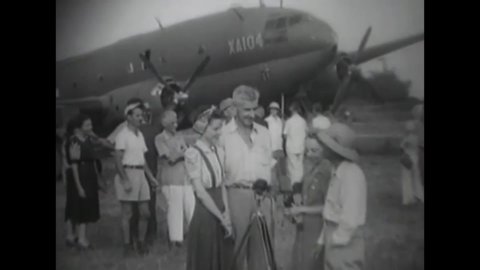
[(315, 181), (71, 192), (209, 245), (82, 179)]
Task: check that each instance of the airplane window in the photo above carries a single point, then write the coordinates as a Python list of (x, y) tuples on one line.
[(130, 68), (294, 19), (276, 30), (271, 24), (281, 23)]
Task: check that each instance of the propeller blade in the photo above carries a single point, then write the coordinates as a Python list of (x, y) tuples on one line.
[(362, 44), (341, 93), (371, 88), (345, 84), (146, 59), (197, 72), (147, 54)]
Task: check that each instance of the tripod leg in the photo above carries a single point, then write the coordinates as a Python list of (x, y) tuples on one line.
[(267, 243), (266, 235), (242, 245)]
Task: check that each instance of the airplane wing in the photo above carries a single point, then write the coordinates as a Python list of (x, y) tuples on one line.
[(379, 50), (88, 103)]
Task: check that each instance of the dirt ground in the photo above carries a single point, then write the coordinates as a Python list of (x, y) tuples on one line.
[(394, 233)]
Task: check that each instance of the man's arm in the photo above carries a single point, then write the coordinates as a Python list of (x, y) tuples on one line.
[(118, 164), (150, 176)]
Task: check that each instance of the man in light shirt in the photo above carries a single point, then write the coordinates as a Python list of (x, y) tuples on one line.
[(248, 158), (177, 190), (295, 133), (346, 202), (133, 176), (275, 126)]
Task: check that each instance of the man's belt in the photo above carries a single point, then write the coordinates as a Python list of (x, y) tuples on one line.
[(240, 186), (335, 224), (133, 167), (84, 162), (176, 161), (259, 186)]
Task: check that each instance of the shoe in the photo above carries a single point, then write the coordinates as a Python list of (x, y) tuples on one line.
[(143, 249), (128, 250), (84, 247), (71, 243)]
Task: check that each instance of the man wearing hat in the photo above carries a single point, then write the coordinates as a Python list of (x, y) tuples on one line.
[(146, 128), (133, 175), (248, 158), (113, 135), (178, 192), (275, 126), (346, 201), (295, 133), (259, 116)]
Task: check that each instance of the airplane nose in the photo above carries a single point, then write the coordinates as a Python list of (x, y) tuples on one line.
[(322, 32)]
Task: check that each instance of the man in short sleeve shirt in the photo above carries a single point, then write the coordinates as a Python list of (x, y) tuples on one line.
[(133, 174)]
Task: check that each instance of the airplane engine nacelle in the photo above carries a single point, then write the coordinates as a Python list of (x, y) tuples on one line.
[(343, 65)]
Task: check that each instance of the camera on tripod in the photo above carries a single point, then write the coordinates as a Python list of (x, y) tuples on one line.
[(260, 187)]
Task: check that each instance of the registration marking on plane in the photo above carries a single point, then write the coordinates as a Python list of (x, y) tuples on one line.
[(245, 43)]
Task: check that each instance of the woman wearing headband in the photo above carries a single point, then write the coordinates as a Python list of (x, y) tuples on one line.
[(209, 246)]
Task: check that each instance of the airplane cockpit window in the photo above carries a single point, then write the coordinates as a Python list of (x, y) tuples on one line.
[(277, 23), (276, 30), (271, 24), (296, 19), (281, 23)]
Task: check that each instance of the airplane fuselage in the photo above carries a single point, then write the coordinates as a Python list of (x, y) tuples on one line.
[(271, 49)]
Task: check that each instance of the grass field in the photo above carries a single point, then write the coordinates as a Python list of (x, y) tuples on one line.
[(394, 233)]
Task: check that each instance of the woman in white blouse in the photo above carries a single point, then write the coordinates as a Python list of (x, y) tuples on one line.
[(209, 245)]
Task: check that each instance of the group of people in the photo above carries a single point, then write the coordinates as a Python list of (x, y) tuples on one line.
[(210, 181)]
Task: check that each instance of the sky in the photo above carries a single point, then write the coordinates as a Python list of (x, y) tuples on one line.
[(84, 25)]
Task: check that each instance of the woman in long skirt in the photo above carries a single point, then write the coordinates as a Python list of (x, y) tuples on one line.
[(209, 243)]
